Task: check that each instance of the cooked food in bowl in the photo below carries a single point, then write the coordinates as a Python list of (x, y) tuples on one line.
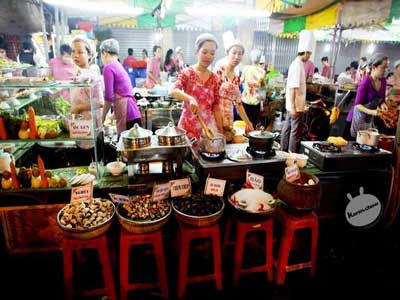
[(116, 167), (199, 205), (252, 200), (86, 214), (142, 208)]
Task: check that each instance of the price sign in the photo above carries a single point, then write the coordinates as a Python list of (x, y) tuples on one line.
[(80, 128), (292, 173), (256, 181), (161, 191), (180, 187), (82, 193), (119, 198), (215, 187)]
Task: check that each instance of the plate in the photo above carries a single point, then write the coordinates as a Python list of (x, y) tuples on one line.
[(240, 156), (253, 201)]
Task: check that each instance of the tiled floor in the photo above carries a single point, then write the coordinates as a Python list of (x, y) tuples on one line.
[(361, 264)]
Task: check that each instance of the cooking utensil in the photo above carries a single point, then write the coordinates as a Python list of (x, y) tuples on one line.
[(368, 137), (261, 141), (214, 145), (206, 130), (170, 135), (136, 137)]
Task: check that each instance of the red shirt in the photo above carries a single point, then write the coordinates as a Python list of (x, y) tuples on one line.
[(129, 61)]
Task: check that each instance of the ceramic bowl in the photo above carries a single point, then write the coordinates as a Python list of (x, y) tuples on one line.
[(116, 168)]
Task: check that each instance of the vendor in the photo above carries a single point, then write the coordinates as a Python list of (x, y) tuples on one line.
[(199, 88), (83, 55), (229, 92), (253, 80), (118, 88), (370, 96), (63, 68), (170, 62), (154, 68), (326, 67), (180, 59)]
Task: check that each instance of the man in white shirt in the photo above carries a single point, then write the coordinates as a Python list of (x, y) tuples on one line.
[(292, 130)]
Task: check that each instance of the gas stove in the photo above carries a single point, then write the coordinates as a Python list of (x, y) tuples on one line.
[(257, 154), (353, 156)]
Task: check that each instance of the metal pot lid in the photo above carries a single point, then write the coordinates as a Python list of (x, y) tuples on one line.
[(170, 130), (261, 134), (138, 132)]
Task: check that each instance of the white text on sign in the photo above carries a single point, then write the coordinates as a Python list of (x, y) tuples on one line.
[(215, 187), (161, 191), (80, 128), (82, 193), (256, 181), (180, 187)]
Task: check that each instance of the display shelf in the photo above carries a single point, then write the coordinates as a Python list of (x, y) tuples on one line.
[(60, 139), (24, 102)]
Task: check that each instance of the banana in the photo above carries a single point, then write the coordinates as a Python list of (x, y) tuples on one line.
[(334, 115)]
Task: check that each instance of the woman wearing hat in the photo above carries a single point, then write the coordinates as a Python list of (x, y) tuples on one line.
[(369, 102), (198, 88), (118, 88), (229, 92)]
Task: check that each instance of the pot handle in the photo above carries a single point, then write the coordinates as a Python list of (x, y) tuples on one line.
[(275, 134), (373, 129)]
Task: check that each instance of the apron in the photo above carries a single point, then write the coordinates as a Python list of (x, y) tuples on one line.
[(228, 92), (120, 112), (188, 121), (363, 121)]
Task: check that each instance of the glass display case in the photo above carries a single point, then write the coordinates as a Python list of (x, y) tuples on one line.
[(46, 116)]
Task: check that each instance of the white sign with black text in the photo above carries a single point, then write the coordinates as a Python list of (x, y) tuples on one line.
[(80, 129), (255, 180), (82, 193), (215, 187), (180, 187)]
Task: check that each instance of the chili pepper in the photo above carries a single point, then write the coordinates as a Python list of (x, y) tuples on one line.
[(14, 177), (247, 185), (261, 207), (3, 131), (44, 183), (32, 123)]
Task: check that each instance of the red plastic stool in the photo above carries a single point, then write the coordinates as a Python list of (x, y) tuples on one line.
[(100, 244), (242, 229), (290, 224), (127, 240), (188, 234)]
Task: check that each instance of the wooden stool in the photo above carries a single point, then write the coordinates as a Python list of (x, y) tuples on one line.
[(242, 229), (100, 244), (127, 240), (188, 234), (290, 224)]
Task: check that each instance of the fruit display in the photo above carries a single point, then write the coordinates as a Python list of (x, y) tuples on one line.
[(86, 214), (199, 205), (142, 208)]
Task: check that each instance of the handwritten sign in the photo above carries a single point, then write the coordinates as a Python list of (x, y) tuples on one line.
[(80, 128), (292, 173), (116, 198), (82, 193), (161, 191), (180, 187), (215, 187), (256, 181)]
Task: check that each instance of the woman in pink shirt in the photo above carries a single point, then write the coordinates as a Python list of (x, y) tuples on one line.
[(154, 68), (63, 68)]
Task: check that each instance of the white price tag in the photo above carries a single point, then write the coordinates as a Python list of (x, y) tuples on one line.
[(180, 187), (161, 191), (116, 198), (80, 128), (292, 173), (255, 180), (82, 193), (215, 187)]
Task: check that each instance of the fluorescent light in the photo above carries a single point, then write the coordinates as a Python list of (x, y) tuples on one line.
[(327, 47), (215, 11), (110, 7), (371, 48)]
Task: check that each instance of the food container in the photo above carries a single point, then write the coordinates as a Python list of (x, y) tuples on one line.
[(116, 167), (299, 159), (90, 232), (253, 203), (142, 226), (171, 135), (214, 145), (368, 137), (198, 220), (386, 142), (298, 195), (136, 137), (261, 140)]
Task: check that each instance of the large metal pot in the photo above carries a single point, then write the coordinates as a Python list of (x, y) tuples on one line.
[(215, 145), (136, 137), (261, 140), (368, 137), (170, 135)]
